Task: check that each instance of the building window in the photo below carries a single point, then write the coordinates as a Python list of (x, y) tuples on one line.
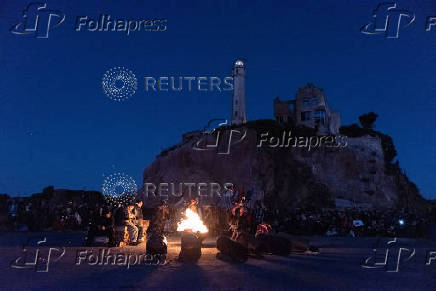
[(236, 113), (319, 116), (312, 101), (305, 115), (236, 102)]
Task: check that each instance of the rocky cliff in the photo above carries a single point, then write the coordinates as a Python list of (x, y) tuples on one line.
[(287, 169)]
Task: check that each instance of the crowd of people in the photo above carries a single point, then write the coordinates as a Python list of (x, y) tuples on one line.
[(104, 223), (235, 212), (352, 222), (30, 216)]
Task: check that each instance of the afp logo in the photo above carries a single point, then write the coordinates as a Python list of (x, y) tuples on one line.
[(38, 20)]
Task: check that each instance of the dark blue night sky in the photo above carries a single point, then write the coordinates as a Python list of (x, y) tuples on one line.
[(58, 128)]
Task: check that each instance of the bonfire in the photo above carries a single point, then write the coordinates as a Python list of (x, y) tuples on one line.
[(193, 231), (192, 223)]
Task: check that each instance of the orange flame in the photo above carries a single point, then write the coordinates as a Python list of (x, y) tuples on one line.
[(192, 222)]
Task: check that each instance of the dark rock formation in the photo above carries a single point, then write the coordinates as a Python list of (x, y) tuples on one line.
[(353, 168)]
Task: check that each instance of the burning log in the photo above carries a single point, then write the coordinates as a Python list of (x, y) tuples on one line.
[(193, 232)]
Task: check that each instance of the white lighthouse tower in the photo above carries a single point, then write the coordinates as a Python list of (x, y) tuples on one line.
[(238, 105)]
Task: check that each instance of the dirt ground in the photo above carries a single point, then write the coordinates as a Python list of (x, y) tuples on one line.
[(337, 267)]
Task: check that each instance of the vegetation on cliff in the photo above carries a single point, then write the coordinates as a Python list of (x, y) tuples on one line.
[(408, 193)]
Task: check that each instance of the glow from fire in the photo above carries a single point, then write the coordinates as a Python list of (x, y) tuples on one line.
[(192, 222)]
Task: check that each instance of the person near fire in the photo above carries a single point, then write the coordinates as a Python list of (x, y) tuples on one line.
[(161, 214), (138, 220), (240, 218), (225, 205), (101, 225), (258, 215), (129, 218)]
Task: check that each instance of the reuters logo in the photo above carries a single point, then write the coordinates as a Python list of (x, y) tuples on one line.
[(119, 84), (119, 188)]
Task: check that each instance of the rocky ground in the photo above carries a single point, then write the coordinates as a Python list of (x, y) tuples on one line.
[(337, 267)]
